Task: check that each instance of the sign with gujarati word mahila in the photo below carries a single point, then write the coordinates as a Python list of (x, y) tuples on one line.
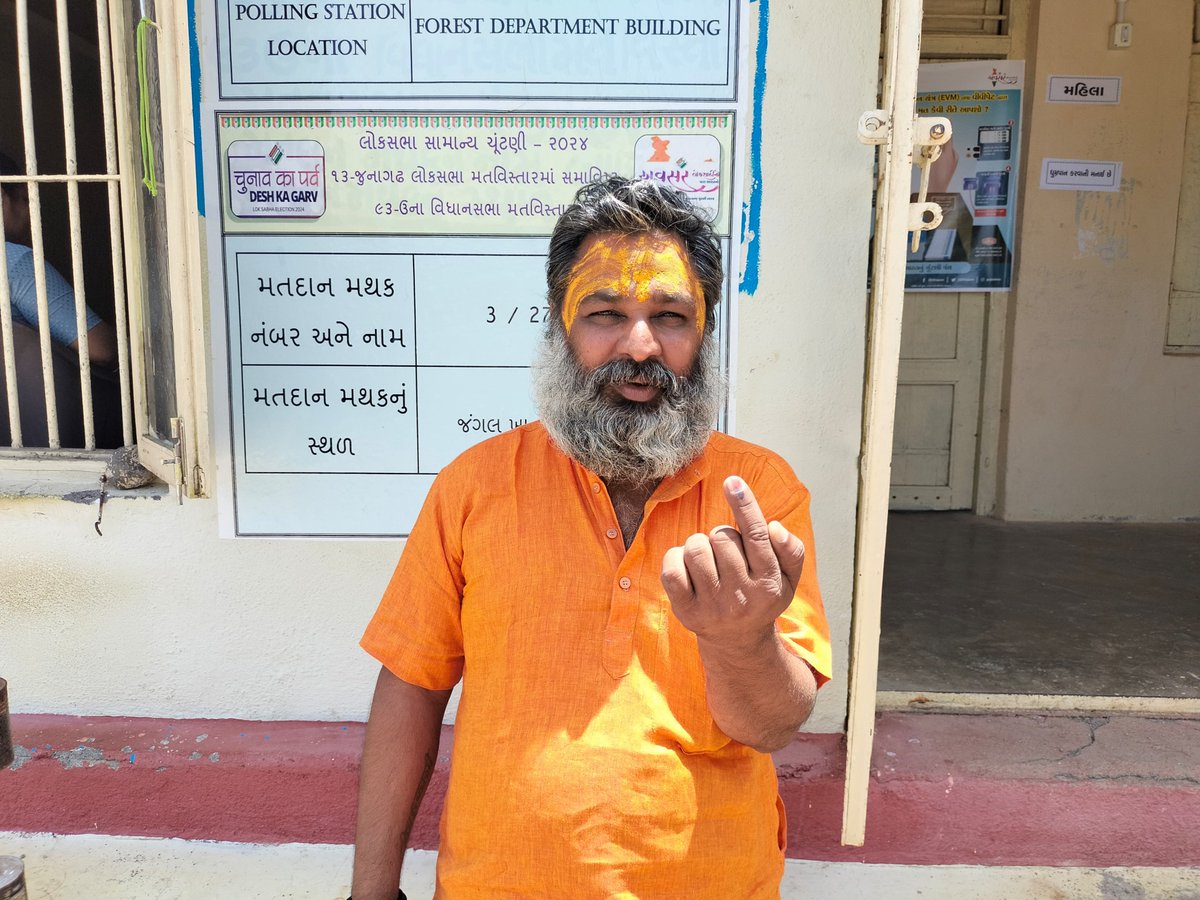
[(1077, 89)]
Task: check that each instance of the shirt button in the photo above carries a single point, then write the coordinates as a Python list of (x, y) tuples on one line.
[(625, 583), (612, 532), (595, 488)]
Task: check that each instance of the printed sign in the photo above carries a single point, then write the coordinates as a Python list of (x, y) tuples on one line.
[(1080, 175), (621, 49), (1076, 89), (974, 179), (371, 344), (382, 180), (689, 162), (469, 174), (276, 179)]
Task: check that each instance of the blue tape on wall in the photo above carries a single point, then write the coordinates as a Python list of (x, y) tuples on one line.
[(752, 208), (194, 59)]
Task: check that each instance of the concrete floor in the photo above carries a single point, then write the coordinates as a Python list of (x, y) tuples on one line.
[(120, 868), (973, 604)]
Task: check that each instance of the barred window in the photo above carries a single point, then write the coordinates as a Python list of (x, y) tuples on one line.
[(100, 236)]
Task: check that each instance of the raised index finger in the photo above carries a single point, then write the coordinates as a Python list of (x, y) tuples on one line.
[(756, 539)]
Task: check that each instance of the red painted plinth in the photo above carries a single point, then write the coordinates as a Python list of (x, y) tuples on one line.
[(226, 779), (944, 789)]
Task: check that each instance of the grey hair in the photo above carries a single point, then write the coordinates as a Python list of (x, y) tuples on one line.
[(619, 205), (636, 443)]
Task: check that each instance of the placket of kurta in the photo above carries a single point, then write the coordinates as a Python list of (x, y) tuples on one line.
[(627, 593)]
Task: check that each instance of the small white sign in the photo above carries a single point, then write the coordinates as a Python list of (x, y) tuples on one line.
[(276, 179), (1083, 89), (1080, 175)]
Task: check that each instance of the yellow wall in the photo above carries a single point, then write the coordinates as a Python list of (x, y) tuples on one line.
[(1098, 422)]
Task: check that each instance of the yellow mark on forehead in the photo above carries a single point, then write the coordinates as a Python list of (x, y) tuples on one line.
[(637, 266)]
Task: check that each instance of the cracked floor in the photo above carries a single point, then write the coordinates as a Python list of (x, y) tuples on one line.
[(1130, 750), (1096, 609)]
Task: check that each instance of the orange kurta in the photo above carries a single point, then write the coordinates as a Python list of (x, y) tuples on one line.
[(586, 763)]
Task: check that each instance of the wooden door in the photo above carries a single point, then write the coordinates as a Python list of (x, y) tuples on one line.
[(941, 384), (935, 443)]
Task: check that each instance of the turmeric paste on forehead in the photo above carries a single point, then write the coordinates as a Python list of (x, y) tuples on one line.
[(638, 266)]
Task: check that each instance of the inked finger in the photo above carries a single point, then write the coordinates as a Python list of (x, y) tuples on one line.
[(701, 566), (756, 541)]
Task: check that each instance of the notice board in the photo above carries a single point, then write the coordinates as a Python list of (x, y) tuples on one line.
[(974, 180), (381, 180)]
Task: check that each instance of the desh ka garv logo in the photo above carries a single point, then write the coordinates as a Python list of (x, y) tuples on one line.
[(276, 179)]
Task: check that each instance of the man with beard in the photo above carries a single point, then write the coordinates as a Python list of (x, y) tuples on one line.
[(625, 594)]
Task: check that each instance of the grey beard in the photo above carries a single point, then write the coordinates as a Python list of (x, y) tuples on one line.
[(622, 440)]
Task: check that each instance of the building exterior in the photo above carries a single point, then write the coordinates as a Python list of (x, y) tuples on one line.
[(1086, 375)]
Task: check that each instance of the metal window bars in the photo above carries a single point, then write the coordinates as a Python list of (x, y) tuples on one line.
[(72, 178)]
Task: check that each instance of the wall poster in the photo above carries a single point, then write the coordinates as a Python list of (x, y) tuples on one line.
[(975, 179), (381, 180)]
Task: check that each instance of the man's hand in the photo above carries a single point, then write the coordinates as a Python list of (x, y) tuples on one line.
[(729, 586)]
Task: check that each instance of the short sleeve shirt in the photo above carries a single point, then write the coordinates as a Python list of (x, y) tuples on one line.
[(586, 762), (60, 298)]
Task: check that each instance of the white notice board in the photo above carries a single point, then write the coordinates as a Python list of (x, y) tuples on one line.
[(381, 181), (475, 49)]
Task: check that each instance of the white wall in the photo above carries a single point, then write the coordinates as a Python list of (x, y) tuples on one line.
[(802, 335), (1100, 423), (160, 617)]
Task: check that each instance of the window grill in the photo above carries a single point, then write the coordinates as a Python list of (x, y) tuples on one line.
[(966, 29), (45, 76), (978, 17)]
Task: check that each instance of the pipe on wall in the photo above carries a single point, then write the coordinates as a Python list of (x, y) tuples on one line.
[(6, 744)]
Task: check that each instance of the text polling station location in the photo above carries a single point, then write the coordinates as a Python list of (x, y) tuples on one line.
[(380, 292), (620, 49)]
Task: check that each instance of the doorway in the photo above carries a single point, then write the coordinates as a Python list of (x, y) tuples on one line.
[(974, 605), (978, 605)]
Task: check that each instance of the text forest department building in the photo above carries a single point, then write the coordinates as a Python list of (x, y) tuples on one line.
[(313, 12)]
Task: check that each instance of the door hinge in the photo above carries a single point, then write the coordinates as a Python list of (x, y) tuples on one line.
[(929, 134), (874, 126), (176, 460)]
